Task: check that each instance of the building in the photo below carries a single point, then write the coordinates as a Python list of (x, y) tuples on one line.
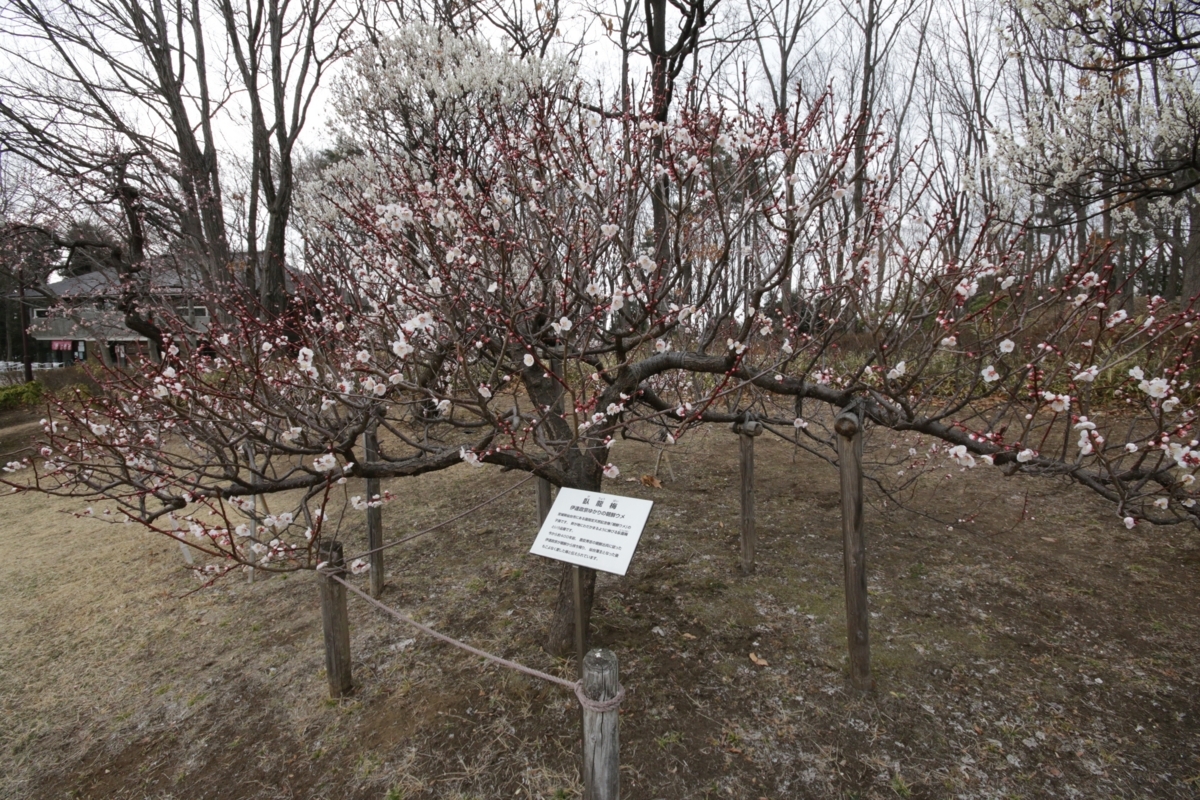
[(77, 318)]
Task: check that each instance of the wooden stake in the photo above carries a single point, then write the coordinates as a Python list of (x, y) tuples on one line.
[(248, 449), (544, 499), (374, 515), (335, 620), (747, 431), (601, 740), (849, 429)]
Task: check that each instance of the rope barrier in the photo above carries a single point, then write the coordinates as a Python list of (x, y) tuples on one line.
[(599, 706), (446, 522)]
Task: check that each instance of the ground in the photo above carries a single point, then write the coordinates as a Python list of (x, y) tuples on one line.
[(1038, 650)]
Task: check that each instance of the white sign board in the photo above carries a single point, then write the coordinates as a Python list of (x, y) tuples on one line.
[(593, 529)]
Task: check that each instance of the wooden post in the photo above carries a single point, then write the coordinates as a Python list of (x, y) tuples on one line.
[(601, 742), (335, 621), (374, 515), (747, 431), (544, 500), (849, 430)]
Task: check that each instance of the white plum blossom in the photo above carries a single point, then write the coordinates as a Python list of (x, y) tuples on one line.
[(1058, 402), (1116, 318), (1007, 283), (1026, 455), (363, 356), (325, 463), (608, 230), (661, 346), (897, 371), (1162, 503), (1136, 373), (799, 423), (529, 359), (646, 263), (1088, 375), (989, 374), (470, 457), (562, 326), (359, 565), (950, 341), (618, 301), (737, 347), (1130, 522), (960, 454), (966, 288), (1170, 404), (1157, 388), (401, 347), (610, 471), (485, 391), (492, 287), (1007, 346), (435, 285), (1131, 448)]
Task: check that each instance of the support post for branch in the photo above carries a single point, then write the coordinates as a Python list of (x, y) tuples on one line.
[(249, 451), (848, 426), (335, 620), (544, 499), (747, 431), (374, 515), (601, 741)]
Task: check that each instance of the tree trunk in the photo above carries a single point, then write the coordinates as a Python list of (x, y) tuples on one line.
[(561, 639), (1190, 279), (26, 356)]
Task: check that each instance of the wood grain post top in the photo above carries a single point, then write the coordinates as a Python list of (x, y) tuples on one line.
[(750, 427), (847, 423), (331, 554)]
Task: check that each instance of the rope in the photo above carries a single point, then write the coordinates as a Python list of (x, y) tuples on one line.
[(598, 706), (446, 522)]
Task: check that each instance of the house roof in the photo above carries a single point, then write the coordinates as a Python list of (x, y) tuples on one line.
[(164, 278)]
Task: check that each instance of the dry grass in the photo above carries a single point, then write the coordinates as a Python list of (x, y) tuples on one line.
[(1038, 651)]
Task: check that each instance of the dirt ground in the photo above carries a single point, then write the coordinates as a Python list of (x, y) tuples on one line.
[(1037, 650)]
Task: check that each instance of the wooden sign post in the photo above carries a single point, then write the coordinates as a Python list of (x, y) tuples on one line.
[(591, 529)]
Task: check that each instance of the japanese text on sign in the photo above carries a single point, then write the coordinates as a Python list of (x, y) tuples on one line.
[(593, 529)]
